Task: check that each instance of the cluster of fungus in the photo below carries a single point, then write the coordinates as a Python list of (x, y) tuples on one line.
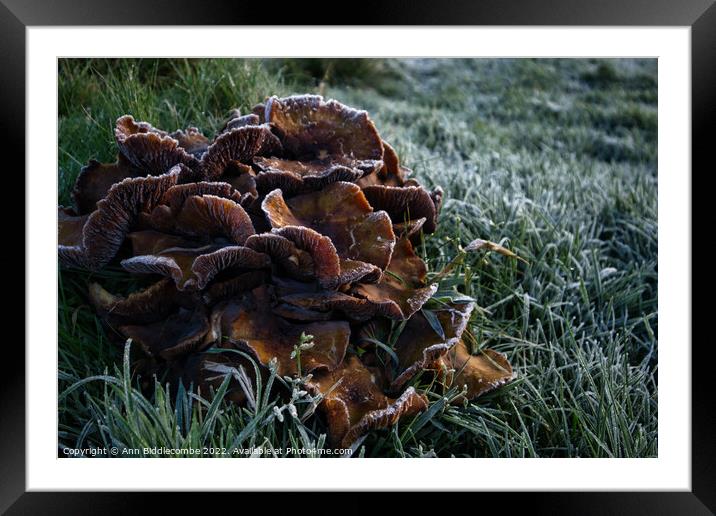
[(296, 219)]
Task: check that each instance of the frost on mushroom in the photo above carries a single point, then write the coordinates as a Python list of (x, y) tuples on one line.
[(419, 345), (478, 373), (403, 289), (294, 219), (294, 176), (404, 204), (149, 149), (421, 348), (354, 402), (311, 128), (93, 244)]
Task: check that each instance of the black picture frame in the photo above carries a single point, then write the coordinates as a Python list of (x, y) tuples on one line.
[(700, 15)]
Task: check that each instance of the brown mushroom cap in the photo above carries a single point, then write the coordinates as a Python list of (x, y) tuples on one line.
[(194, 268), (312, 128), (155, 151), (410, 230), (390, 174), (149, 305), (191, 140), (250, 321), (355, 270), (221, 290), (149, 241), (404, 204), (164, 216), (238, 144), (353, 308), (209, 214), (354, 402), (305, 255), (104, 230), (236, 119), (341, 212), (177, 195), (294, 176), (149, 149), (207, 266), (260, 111), (69, 227), (175, 263), (313, 168), (436, 194), (294, 262), (479, 373), (95, 179), (326, 263), (242, 178), (402, 290), (178, 334), (419, 346)]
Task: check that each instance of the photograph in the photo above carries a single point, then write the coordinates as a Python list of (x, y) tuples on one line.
[(357, 257)]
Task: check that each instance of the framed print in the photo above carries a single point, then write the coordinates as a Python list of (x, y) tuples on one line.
[(449, 237)]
